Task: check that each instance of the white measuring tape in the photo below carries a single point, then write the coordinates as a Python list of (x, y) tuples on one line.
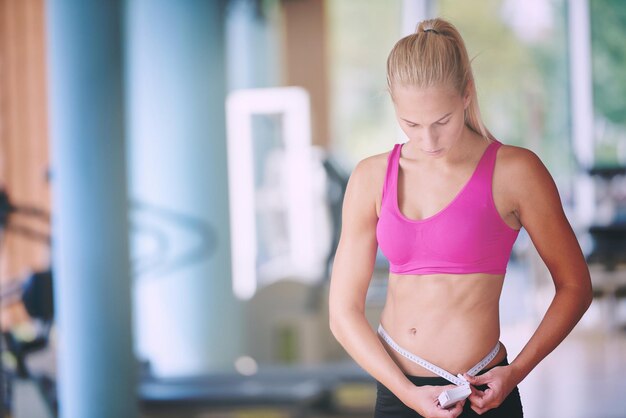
[(458, 379)]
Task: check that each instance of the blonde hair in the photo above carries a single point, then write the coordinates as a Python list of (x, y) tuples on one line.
[(435, 55)]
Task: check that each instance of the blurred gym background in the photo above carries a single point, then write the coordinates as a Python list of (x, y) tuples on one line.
[(171, 180)]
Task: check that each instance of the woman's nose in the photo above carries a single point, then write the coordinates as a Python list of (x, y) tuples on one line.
[(429, 140)]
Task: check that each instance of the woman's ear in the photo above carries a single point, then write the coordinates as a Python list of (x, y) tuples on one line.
[(467, 96)]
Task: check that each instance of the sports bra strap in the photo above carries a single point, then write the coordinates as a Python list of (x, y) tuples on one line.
[(391, 175)]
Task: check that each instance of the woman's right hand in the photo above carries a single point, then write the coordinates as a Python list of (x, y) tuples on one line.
[(424, 400)]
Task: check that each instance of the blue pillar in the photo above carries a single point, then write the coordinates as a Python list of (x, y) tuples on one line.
[(96, 368), (253, 44), (188, 321)]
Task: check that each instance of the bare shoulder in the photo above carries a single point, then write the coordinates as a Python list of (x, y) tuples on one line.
[(527, 182), (521, 168), (373, 166), (367, 178), (541, 213), (513, 156)]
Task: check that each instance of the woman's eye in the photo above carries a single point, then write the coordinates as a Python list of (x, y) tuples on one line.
[(443, 123), (411, 125)]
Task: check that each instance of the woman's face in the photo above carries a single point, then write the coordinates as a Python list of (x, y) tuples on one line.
[(432, 117)]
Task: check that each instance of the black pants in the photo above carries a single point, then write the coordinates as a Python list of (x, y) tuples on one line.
[(389, 406)]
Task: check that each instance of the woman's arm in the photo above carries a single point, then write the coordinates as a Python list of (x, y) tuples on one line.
[(351, 274), (540, 212)]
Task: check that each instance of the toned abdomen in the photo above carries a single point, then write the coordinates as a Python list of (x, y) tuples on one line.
[(450, 320)]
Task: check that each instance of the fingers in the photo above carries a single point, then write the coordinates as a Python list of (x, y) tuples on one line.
[(476, 395), (425, 401), (496, 382), (451, 412), (457, 410), (436, 410), (479, 398), (484, 401), (481, 401), (482, 379)]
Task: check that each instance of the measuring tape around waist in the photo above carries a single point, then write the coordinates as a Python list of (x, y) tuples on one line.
[(458, 379)]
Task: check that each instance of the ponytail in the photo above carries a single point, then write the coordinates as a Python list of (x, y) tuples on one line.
[(435, 55)]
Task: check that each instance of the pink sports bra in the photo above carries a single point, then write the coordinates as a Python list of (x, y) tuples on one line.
[(466, 236)]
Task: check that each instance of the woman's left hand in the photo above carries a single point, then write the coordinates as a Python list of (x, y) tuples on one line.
[(501, 381)]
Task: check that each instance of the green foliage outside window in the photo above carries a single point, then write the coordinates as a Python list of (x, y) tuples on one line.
[(608, 43)]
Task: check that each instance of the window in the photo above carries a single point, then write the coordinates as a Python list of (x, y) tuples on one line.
[(608, 60), (361, 35), (520, 63)]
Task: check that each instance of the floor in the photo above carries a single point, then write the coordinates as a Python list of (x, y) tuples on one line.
[(584, 377)]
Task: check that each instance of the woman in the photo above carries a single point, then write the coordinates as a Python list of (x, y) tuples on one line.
[(445, 208)]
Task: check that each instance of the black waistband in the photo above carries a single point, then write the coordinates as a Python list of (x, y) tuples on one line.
[(440, 381)]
